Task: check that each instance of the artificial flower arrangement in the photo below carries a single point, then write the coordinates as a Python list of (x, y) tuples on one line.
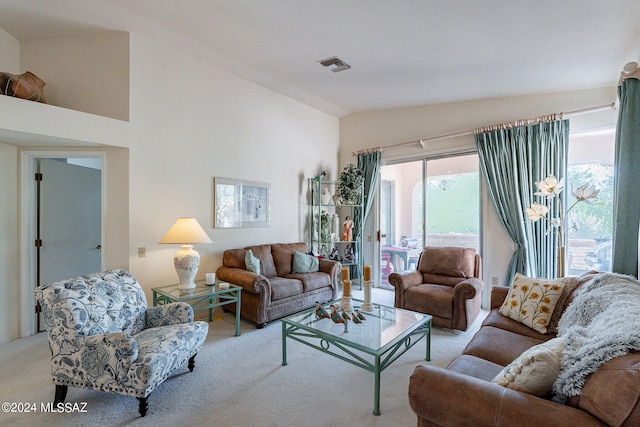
[(550, 189)]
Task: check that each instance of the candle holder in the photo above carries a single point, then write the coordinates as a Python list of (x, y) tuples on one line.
[(346, 303), (366, 305)]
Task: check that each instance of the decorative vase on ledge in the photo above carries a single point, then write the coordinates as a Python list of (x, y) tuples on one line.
[(26, 86)]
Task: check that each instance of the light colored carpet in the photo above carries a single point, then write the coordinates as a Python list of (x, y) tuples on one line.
[(237, 381)]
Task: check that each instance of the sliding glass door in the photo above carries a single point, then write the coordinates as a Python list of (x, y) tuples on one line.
[(428, 202)]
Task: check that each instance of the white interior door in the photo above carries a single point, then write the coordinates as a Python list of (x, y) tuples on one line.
[(69, 220)]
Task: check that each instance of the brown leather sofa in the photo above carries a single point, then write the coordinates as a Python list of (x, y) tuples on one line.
[(277, 292), (463, 394), (447, 285)]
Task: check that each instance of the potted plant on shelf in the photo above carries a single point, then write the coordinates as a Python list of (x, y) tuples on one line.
[(350, 186)]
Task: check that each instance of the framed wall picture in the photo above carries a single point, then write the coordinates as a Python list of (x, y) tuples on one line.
[(239, 203)]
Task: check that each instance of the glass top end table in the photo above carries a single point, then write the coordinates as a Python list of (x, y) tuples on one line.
[(202, 297)]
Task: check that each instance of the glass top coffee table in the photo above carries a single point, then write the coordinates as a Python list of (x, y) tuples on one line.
[(386, 334)]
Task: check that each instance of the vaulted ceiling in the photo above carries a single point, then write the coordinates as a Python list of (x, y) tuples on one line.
[(401, 52)]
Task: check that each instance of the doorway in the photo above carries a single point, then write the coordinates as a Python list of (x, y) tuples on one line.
[(62, 205), (68, 217)]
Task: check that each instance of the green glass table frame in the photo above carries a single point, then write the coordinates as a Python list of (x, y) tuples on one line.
[(202, 297), (385, 335)]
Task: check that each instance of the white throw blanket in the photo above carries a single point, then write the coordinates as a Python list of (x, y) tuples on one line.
[(602, 323)]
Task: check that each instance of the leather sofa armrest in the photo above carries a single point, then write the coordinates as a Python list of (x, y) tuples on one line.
[(448, 398), (249, 281), (332, 268), (402, 281), (405, 279), (498, 295), (467, 289)]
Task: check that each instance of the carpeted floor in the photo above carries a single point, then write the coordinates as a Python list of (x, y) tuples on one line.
[(237, 381)]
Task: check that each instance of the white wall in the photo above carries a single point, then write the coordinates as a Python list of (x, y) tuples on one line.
[(385, 127), (10, 58), (9, 313), (190, 123), (9, 290), (89, 74)]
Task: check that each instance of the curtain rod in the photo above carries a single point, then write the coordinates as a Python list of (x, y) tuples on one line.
[(547, 117)]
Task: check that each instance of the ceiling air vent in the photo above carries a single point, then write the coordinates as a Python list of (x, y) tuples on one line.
[(335, 63)]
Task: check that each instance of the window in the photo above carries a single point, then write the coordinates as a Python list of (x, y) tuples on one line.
[(590, 226)]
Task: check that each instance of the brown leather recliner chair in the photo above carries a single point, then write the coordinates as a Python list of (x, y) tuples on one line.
[(447, 285)]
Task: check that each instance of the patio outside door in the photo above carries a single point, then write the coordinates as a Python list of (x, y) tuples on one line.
[(433, 202)]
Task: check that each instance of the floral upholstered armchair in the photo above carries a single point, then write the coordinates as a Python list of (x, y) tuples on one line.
[(103, 336)]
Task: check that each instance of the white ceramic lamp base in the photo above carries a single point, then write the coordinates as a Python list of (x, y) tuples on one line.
[(187, 262)]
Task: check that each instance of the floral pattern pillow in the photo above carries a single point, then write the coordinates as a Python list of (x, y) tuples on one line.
[(531, 301)]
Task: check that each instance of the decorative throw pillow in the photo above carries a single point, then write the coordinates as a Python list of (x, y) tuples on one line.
[(251, 262), (532, 301), (303, 263), (535, 370)]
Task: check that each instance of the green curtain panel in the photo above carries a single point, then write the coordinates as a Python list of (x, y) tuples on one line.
[(369, 164), (626, 192), (512, 160)]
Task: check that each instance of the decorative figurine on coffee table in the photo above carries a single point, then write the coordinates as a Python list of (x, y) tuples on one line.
[(335, 316), (321, 313)]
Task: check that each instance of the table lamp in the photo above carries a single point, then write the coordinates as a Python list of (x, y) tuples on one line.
[(186, 232)]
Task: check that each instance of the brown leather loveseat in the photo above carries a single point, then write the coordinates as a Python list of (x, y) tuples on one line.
[(463, 394), (277, 291)]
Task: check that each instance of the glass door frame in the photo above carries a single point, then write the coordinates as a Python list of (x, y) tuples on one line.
[(376, 226)]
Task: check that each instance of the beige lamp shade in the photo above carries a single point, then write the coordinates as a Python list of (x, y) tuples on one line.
[(186, 232)]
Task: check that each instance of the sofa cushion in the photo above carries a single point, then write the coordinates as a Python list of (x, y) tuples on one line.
[(498, 345), (161, 350), (612, 392), (455, 262), (251, 262), (474, 366), (303, 263), (436, 300), (282, 287), (283, 256), (263, 252), (531, 301), (495, 319), (535, 370), (311, 281)]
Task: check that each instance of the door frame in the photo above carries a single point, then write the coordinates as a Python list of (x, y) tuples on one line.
[(28, 226)]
